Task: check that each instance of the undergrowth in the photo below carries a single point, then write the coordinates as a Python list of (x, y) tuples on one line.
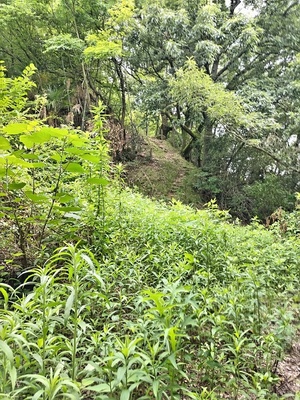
[(167, 303), (140, 300)]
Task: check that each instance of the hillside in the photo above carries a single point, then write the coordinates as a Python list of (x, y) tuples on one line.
[(159, 171)]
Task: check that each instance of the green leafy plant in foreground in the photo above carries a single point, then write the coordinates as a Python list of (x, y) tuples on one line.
[(40, 167), (96, 330)]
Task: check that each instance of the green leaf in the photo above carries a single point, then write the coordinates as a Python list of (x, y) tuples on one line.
[(74, 167), (101, 388), (38, 165), (121, 373), (98, 181), (155, 386), (27, 156), (38, 358), (18, 162), (13, 376), (16, 185), (63, 197), (54, 132), (36, 198), (77, 140), (125, 394), (39, 137), (4, 294), (74, 150), (6, 172), (7, 351), (58, 158), (16, 128), (67, 209), (38, 394), (173, 361), (27, 141), (90, 157), (69, 304), (4, 143)]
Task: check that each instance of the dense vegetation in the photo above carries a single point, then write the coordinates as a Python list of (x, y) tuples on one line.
[(106, 294), (124, 297), (219, 78), (175, 304)]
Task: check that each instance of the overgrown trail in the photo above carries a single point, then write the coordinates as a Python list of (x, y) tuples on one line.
[(160, 171)]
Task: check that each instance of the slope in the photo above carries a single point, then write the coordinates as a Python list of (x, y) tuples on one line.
[(159, 171)]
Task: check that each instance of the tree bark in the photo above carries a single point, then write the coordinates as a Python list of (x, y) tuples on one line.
[(207, 136), (120, 74), (164, 127)]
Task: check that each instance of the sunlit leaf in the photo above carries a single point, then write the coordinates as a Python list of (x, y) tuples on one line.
[(91, 158), (54, 132), (16, 128), (4, 143), (27, 141), (74, 167), (74, 150), (38, 165), (7, 351)]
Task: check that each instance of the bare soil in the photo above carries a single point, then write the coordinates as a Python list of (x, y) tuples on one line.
[(289, 372)]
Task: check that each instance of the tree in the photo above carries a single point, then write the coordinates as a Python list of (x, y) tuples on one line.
[(224, 82), (227, 100), (51, 34)]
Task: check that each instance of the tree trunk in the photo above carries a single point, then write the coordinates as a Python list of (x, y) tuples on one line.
[(207, 136), (186, 151), (165, 128), (120, 74)]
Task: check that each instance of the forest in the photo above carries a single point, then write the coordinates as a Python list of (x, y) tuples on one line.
[(107, 293)]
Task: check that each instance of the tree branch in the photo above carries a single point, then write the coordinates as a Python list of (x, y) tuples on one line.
[(289, 8), (182, 126), (267, 152), (233, 6), (225, 68)]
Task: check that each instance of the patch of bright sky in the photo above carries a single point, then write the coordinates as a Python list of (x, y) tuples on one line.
[(241, 8)]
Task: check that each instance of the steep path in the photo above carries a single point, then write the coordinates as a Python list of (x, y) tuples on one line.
[(159, 171)]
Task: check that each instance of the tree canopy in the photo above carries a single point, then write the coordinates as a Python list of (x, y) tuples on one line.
[(218, 77)]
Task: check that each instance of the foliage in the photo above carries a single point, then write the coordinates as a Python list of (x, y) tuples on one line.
[(32, 154), (174, 303), (226, 102), (194, 89), (221, 74), (267, 196), (146, 300), (14, 95)]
